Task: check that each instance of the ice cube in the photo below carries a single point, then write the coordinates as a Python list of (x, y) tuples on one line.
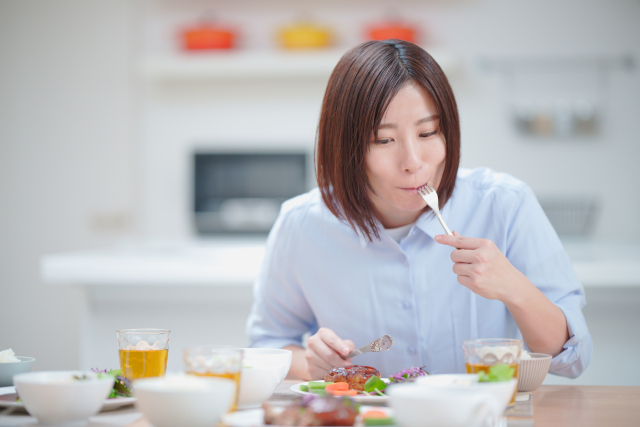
[(142, 345), (157, 345)]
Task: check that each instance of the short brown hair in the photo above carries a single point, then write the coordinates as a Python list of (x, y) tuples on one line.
[(358, 93)]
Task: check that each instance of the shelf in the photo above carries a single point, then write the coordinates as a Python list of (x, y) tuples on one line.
[(254, 64), (236, 262)]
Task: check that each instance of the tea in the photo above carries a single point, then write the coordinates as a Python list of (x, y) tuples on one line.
[(143, 363), (477, 367), (234, 376)]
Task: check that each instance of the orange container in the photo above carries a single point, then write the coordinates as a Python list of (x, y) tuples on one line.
[(208, 37), (393, 31)]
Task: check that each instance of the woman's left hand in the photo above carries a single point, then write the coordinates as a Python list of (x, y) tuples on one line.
[(481, 267)]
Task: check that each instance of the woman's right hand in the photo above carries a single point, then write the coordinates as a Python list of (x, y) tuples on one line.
[(323, 352)]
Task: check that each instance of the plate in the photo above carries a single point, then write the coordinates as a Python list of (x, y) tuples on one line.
[(8, 398), (255, 417), (361, 398)]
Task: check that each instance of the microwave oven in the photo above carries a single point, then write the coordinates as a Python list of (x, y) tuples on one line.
[(243, 192)]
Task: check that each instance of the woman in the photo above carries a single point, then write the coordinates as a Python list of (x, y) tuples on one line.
[(363, 256)]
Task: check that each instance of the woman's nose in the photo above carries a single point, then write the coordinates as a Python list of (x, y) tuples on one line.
[(411, 161)]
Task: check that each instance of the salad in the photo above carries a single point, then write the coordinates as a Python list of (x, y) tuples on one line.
[(121, 386)]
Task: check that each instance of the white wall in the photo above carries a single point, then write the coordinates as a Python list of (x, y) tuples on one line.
[(66, 160), (90, 153)]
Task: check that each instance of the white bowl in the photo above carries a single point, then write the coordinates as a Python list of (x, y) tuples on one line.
[(263, 370), (533, 371), (183, 400), (437, 401), (9, 369), (54, 397)]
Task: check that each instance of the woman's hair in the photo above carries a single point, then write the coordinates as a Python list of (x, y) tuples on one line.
[(358, 93)]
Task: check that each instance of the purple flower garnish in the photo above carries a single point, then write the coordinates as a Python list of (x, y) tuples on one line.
[(408, 375)]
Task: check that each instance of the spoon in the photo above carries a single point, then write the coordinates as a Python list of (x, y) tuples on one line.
[(383, 343)]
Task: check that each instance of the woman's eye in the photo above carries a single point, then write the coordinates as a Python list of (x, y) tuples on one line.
[(383, 141), (428, 134)]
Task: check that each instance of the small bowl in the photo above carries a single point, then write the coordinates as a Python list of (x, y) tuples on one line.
[(54, 397), (533, 371), (263, 369), (183, 400), (438, 402), (9, 369)]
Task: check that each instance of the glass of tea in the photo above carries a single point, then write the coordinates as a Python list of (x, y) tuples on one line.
[(481, 354), (143, 352), (215, 361)]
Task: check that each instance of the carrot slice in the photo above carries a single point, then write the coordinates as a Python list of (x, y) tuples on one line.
[(343, 392), (374, 414), (337, 386)]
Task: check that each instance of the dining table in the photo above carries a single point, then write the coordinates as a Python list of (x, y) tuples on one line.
[(548, 406)]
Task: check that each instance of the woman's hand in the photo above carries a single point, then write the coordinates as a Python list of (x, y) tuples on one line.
[(323, 352), (482, 268)]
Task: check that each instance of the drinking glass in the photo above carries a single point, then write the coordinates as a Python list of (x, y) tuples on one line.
[(143, 352), (215, 361), (481, 354)]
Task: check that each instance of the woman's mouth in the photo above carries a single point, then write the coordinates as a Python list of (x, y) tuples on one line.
[(412, 190)]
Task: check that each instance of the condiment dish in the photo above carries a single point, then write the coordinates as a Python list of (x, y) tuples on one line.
[(533, 371), (9, 369)]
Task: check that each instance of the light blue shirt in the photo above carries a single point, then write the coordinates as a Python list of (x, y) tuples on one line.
[(318, 272)]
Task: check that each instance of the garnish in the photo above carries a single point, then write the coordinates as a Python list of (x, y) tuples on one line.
[(499, 372), (121, 386), (408, 375), (374, 385)]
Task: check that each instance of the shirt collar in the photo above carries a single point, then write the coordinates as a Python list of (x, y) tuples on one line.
[(427, 222)]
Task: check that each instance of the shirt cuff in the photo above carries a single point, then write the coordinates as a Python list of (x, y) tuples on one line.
[(575, 357)]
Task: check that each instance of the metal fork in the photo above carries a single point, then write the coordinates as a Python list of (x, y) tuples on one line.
[(431, 197)]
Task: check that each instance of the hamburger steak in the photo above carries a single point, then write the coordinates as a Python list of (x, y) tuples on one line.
[(354, 375)]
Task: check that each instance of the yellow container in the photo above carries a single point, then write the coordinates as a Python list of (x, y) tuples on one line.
[(304, 36)]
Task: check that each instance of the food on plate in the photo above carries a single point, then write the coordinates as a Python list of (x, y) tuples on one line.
[(408, 375), (354, 375), (312, 410), (374, 385), (121, 386), (377, 417), (8, 356), (495, 373)]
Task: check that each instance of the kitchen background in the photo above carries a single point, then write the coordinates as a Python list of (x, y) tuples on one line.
[(101, 113)]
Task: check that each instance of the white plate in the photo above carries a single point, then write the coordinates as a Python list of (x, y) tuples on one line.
[(10, 400), (255, 417), (360, 398)]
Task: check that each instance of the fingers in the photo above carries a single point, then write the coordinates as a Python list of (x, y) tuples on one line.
[(458, 241), (322, 351), (333, 341), (464, 255)]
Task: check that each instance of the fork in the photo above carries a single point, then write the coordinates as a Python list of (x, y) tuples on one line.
[(431, 197)]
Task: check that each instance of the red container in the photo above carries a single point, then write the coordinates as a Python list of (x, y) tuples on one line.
[(208, 37), (393, 31)]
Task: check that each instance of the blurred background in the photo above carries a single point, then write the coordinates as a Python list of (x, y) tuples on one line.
[(145, 147)]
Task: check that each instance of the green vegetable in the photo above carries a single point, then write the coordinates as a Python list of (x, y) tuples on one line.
[(379, 421), (304, 387), (374, 384), (318, 384), (499, 372), (318, 391)]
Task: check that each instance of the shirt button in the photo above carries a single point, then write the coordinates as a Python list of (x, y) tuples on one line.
[(412, 350), (406, 305)]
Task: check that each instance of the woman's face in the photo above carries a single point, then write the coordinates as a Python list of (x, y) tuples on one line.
[(408, 152)]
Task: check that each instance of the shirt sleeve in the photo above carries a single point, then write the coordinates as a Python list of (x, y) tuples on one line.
[(280, 314), (535, 249)]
